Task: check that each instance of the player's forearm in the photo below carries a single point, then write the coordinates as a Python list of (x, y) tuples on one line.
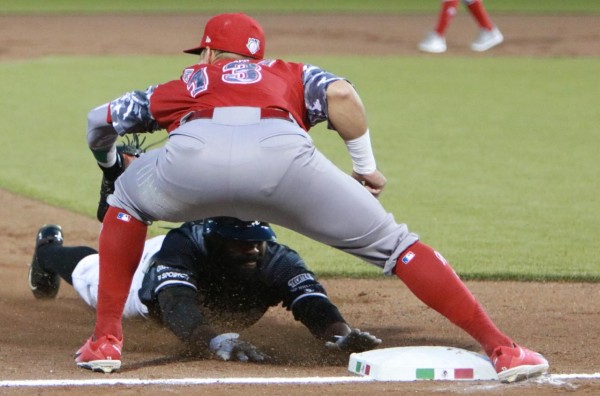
[(180, 313), (201, 337), (318, 315)]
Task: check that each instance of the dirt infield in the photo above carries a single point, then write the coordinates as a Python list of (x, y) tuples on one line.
[(560, 320)]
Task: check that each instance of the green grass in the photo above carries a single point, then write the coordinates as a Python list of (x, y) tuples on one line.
[(493, 161), (45, 102), (496, 167), (309, 6)]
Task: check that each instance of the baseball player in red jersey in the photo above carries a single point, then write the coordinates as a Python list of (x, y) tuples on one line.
[(238, 146)]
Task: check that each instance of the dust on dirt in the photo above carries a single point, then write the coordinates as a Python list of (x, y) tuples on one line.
[(37, 338)]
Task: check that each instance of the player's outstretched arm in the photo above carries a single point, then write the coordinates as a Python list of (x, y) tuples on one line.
[(348, 116), (325, 322), (181, 314)]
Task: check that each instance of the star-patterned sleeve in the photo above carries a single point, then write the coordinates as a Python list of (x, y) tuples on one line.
[(316, 81), (131, 112)]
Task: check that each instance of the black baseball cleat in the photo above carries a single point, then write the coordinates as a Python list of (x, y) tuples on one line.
[(43, 284)]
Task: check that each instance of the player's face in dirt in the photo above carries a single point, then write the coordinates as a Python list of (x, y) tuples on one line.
[(243, 254)]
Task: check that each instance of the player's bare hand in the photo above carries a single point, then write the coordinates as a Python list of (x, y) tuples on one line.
[(373, 182)]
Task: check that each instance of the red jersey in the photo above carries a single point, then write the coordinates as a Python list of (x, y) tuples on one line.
[(300, 89), (252, 83)]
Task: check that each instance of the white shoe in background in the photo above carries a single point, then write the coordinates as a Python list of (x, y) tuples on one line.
[(433, 43), (487, 39)]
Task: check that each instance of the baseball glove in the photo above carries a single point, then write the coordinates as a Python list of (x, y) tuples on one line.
[(130, 148)]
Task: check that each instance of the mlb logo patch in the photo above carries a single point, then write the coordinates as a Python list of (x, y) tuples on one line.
[(407, 257), (124, 217)]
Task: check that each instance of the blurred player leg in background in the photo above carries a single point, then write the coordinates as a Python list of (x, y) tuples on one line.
[(489, 35), (435, 41)]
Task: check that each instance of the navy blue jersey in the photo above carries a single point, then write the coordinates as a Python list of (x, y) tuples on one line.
[(183, 261)]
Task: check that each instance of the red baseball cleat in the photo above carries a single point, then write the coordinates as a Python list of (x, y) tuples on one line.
[(517, 363), (102, 355)]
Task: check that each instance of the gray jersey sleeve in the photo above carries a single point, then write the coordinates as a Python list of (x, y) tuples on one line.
[(316, 81), (101, 136), (131, 112)]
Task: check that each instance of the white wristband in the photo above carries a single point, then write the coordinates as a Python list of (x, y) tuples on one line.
[(361, 152)]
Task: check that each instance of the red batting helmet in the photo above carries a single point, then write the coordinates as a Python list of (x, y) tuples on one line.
[(237, 33)]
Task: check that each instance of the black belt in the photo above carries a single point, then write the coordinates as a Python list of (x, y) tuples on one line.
[(267, 112)]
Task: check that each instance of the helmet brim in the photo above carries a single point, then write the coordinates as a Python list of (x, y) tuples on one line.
[(232, 228)]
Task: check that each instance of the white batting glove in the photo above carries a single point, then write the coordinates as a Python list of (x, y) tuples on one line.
[(228, 347), (355, 341)]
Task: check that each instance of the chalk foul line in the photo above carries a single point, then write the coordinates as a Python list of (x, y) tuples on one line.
[(549, 379)]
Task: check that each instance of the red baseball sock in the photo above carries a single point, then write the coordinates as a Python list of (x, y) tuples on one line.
[(431, 278), (481, 16), (120, 246), (445, 17)]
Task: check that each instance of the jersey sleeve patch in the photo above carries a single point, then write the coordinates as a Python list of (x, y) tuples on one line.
[(301, 286), (169, 276), (296, 280)]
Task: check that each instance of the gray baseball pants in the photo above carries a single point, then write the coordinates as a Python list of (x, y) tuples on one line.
[(237, 164)]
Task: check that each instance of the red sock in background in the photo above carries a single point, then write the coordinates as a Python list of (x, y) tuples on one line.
[(429, 276), (120, 246), (478, 11), (446, 14)]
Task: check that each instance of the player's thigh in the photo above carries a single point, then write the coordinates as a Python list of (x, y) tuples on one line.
[(315, 198), (142, 191)]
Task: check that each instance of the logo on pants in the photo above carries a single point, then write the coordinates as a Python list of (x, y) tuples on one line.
[(407, 257), (124, 217)]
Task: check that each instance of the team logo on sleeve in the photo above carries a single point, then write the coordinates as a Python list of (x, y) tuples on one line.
[(296, 280)]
